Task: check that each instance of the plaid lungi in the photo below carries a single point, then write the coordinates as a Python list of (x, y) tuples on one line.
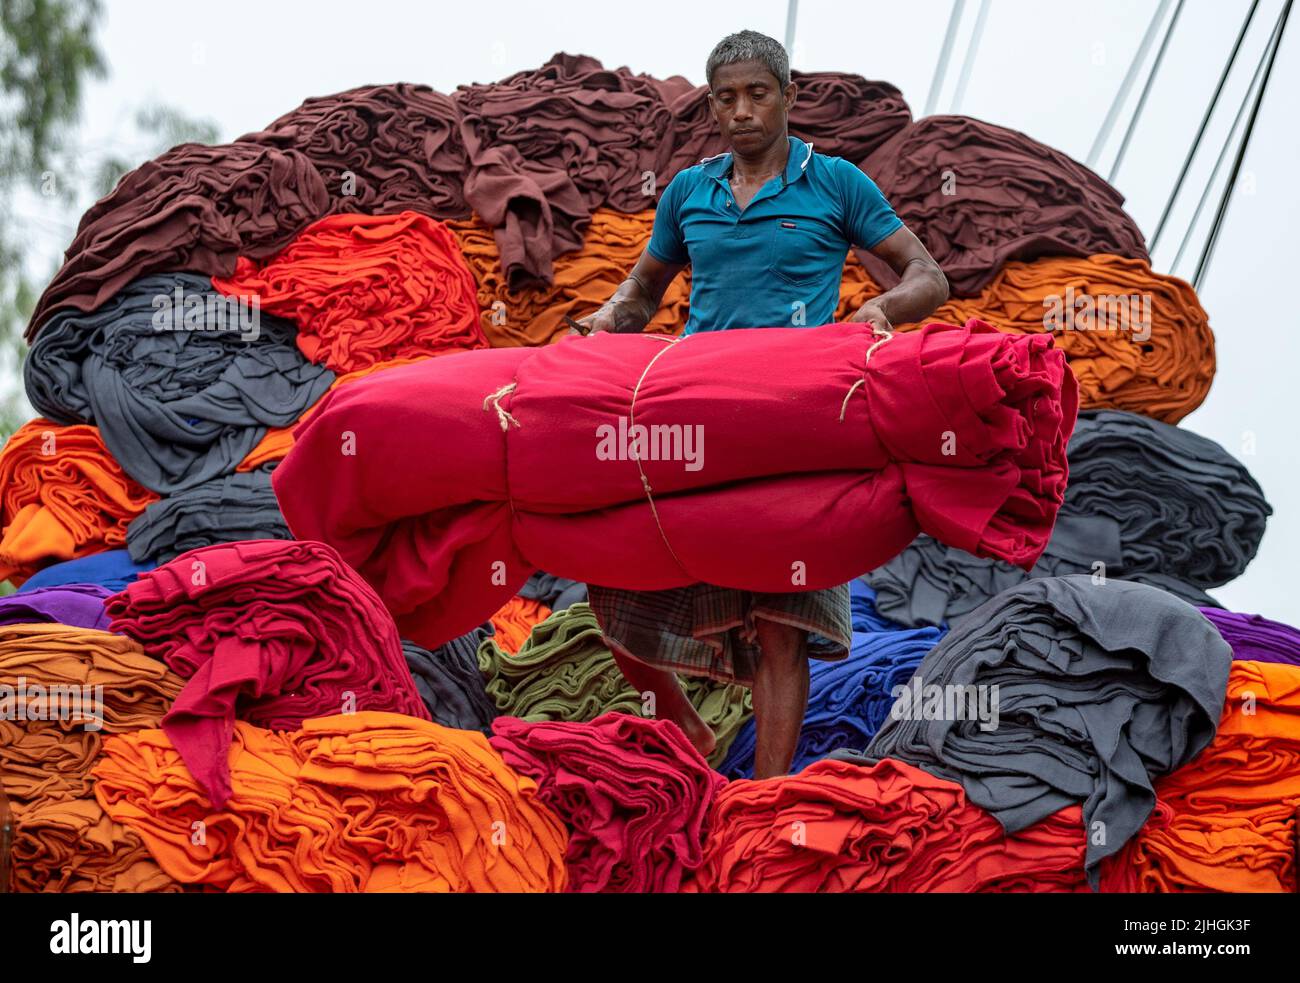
[(703, 630)]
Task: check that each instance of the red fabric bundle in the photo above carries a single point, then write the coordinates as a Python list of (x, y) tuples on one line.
[(194, 208), (890, 828), (270, 631), (472, 470), (633, 793), (365, 289)]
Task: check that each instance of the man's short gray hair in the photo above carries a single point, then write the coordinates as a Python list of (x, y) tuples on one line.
[(750, 46)]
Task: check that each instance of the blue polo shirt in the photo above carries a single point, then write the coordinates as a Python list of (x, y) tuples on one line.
[(779, 261)]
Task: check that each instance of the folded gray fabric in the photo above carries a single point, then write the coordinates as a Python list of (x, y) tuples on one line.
[(557, 593), (179, 385), (227, 509), (1147, 502), (449, 682), (1070, 691)]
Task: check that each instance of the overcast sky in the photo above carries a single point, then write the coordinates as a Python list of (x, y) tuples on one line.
[(1050, 68)]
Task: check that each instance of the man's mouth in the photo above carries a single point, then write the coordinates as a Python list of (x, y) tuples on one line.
[(743, 133)]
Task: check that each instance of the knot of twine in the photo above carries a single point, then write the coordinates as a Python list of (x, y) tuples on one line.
[(881, 338), (494, 402)]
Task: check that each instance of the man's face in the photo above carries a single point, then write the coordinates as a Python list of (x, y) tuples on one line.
[(749, 105)]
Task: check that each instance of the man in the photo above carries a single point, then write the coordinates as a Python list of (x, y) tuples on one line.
[(766, 228)]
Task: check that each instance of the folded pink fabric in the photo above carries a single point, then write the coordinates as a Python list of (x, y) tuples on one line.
[(633, 792), (268, 631)]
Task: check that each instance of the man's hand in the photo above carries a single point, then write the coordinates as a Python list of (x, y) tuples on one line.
[(601, 319), (872, 313)]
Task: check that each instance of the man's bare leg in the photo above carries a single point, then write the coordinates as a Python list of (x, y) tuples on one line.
[(780, 696), (670, 701)]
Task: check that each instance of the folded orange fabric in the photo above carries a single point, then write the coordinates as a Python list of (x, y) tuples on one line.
[(366, 288), (856, 288), (275, 445), (1234, 807), (367, 801), (1136, 340), (891, 828), (514, 622), (583, 281), (62, 495), (61, 690)]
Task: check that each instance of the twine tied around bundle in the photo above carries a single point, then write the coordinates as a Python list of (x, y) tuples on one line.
[(494, 402), (881, 338)]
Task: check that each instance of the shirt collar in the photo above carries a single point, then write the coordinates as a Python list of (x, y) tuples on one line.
[(800, 155)]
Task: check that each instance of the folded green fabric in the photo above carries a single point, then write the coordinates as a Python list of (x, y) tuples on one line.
[(564, 671)]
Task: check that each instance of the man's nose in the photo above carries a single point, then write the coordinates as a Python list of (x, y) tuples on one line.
[(744, 110)]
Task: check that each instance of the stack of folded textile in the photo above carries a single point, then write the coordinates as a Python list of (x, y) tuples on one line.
[(564, 671), (379, 149), (62, 496), (979, 195), (365, 289), (271, 632), (634, 794), (389, 803), (582, 281), (514, 622), (1232, 812), (1062, 691), (63, 689), (181, 384), (362, 307), (1146, 502), (889, 827)]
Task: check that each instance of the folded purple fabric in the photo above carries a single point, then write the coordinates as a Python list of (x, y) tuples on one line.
[(79, 605), (1256, 639)]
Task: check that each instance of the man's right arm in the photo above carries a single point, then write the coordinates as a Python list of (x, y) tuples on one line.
[(636, 300)]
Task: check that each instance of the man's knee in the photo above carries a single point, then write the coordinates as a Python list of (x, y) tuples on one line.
[(781, 642)]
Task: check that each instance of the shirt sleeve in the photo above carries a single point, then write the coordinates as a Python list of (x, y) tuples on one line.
[(667, 244), (868, 215)]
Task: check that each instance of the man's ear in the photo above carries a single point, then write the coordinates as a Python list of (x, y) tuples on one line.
[(713, 109), (789, 96)]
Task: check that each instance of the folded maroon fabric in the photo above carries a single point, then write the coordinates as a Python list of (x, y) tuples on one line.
[(633, 792), (195, 208), (978, 195), (380, 149), (268, 631), (510, 460), (549, 146)]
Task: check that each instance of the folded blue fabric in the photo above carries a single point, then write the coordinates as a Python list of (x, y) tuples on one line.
[(849, 700), (113, 569)]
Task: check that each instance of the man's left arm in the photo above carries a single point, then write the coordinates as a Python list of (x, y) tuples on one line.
[(920, 291), (871, 223)]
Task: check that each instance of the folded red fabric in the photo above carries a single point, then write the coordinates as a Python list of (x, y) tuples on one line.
[(888, 828), (368, 288), (270, 631), (633, 792), (473, 470)]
